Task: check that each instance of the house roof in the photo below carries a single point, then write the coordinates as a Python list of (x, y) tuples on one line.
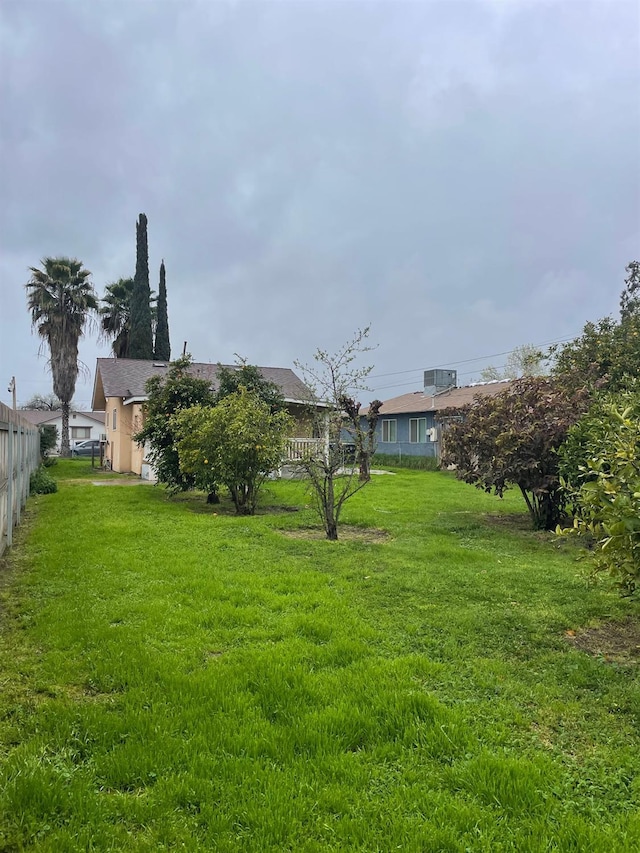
[(127, 377), (417, 402), (38, 416)]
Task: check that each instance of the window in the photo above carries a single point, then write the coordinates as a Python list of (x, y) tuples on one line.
[(114, 421), (417, 430), (390, 430), (80, 433)]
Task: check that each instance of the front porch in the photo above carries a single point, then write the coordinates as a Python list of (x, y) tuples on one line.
[(301, 448)]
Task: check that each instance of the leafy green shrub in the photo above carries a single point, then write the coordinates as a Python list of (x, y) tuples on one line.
[(600, 468), (512, 439), (42, 483), (48, 441), (166, 396)]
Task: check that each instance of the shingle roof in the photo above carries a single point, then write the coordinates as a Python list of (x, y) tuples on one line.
[(417, 402), (127, 377)]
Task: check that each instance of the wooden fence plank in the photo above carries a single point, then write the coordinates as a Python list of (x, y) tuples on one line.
[(19, 457)]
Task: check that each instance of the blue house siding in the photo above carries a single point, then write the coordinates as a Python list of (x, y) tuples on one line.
[(402, 445), (438, 395)]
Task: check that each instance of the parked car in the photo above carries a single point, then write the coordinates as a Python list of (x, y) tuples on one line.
[(90, 447)]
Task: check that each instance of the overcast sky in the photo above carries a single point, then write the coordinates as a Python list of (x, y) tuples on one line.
[(464, 176)]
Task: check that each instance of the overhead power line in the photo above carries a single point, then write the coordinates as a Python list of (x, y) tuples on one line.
[(466, 360)]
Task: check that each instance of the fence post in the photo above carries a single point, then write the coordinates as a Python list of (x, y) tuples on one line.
[(19, 473)]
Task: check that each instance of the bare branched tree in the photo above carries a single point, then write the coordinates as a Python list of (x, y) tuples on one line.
[(335, 414)]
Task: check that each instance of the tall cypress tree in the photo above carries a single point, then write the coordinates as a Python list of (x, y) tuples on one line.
[(163, 345), (141, 341)]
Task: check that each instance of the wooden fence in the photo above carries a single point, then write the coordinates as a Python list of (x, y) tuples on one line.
[(19, 457)]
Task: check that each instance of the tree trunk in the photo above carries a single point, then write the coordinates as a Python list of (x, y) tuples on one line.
[(330, 523), (332, 531), (548, 512), (65, 449), (365, 466), (544, 509)]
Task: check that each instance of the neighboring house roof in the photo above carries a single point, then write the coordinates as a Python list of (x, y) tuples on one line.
[(417, 402), (38, 416), (127, 377)]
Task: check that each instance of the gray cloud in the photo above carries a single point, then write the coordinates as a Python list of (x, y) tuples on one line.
[(464, 175)]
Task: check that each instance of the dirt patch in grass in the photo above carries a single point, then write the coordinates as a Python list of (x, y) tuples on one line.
[(614, 642), (202, 508), (520, 522), (346, 533)]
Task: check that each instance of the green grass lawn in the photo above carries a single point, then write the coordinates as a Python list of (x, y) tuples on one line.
[(174, 677)]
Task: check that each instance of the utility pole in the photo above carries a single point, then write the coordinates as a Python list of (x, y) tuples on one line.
[(12, 388)]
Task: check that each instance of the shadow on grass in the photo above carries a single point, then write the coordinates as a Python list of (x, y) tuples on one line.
[(197, 502)]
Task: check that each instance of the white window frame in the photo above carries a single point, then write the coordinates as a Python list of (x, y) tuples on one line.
[(76, 430), (390, 428), (415, 431), (114, 420)]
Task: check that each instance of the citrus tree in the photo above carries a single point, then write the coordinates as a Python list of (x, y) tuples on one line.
[(600, 467), (237, 444)]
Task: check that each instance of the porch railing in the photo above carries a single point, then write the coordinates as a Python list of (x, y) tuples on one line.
[(301, 448)]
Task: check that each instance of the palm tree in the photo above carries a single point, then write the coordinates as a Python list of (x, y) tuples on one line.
[(61, 300), (115, 314)]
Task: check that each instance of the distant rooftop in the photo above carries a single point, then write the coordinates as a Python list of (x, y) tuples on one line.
[(39, 416), (417, 402)]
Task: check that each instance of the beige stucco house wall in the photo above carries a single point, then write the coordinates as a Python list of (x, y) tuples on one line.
[(123, 420), (119, 387)]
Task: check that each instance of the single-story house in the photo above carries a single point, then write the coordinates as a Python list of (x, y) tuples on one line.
[(407, 425), (82, 425), (119, 388)]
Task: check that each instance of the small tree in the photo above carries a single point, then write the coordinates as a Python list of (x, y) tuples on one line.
[(525, 360), (331, 381), (237, 443), (364, 436), (167, 396), (512, 439)]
